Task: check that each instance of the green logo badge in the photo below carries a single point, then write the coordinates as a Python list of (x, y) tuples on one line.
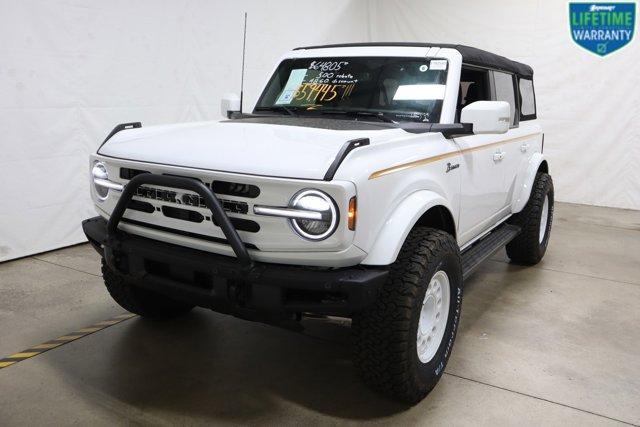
[(602, 28)]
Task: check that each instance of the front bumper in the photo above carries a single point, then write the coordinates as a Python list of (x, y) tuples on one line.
[(223, 284)]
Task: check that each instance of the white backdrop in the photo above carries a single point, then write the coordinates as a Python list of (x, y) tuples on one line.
[(72, 70), (589, 106)]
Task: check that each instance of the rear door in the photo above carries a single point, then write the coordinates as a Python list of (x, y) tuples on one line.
[(521, 139)]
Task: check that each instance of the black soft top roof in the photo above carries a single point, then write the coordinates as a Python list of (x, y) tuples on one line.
[(470, 55)]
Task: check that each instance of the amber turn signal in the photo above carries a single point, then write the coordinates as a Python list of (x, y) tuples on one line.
[(353, 207)]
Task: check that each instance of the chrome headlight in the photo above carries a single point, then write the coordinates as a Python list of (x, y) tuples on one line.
[(99, 175), (323, 218)]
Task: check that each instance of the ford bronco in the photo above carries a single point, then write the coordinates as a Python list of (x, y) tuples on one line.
[(369, 181)]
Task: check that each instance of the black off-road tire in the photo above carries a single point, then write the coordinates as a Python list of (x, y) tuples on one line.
[(526, 248), (385, 334), (141, 301)]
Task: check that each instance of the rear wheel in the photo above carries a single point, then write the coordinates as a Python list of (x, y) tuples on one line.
[(403, 342), (535, 219), (141, 301)]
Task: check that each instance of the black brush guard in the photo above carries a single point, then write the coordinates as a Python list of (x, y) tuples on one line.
[(181, 183), (238, 286)]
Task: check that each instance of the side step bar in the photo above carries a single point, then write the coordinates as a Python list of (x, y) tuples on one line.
[(475, 254)]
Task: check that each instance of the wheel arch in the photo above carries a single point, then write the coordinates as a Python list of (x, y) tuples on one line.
[(421, 208), (524, 182), (544, 167), (438, 217)]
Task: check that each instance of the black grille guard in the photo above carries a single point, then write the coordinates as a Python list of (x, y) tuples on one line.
[(181, 183)]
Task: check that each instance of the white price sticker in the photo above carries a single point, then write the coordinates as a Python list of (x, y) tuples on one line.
[(295, 79), (438, 64)]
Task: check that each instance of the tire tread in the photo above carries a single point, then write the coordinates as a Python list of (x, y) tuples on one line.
[(526, 248), (383, 332)]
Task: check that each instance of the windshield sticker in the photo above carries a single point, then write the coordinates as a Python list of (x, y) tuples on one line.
[(327, 65), (424, 92), (438, 64), (404, 89), (314, 92), (295, 78), (321, 82)]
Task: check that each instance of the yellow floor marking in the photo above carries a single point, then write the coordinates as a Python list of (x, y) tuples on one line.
[(68, 337), (65, 339), (126, 316), (23, 355), (107, 323), (46, 346), (89, 329)]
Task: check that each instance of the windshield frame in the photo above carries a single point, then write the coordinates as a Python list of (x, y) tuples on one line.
[(401, 116)]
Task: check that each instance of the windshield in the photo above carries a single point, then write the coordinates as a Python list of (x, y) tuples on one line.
[(394, 89)]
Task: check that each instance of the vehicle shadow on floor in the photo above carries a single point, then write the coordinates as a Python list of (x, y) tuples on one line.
[(216, 367), (212, 366), (485, 290)]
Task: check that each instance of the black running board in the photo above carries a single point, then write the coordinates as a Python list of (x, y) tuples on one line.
[(475, 254)]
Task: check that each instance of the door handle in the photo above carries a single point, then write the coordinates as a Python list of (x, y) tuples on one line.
[(524, 147), (498, 155)]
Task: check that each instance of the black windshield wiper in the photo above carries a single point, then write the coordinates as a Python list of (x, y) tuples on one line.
[(358, 113), (279, 108)]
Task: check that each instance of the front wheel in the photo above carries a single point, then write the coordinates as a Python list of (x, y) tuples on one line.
[(403, 342)]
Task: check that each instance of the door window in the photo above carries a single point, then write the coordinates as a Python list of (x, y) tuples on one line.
[(505, 91), (474, 86), (527, 100)]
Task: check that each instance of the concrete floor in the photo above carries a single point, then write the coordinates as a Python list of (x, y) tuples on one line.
[(558, 343)]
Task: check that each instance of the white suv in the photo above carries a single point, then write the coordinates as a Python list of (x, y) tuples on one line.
[(369, 181)]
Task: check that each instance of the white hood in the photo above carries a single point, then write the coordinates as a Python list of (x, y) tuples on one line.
[(246, 146)]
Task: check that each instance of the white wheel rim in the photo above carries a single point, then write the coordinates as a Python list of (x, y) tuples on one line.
[(544, 218), (433, 316)]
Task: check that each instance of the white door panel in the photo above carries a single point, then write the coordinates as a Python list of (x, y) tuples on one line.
[(518, 148), (482, 175)]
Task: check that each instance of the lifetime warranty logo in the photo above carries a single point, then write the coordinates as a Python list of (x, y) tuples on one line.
[(602, 28)]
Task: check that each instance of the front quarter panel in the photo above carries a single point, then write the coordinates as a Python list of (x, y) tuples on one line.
[(389, 205), (395, 229)]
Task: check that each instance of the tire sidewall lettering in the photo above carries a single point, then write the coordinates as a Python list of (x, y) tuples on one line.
[(435, 367)]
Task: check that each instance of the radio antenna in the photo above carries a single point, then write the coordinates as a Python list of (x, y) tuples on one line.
[(244, 45)]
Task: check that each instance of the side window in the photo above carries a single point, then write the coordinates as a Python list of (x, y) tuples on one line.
[(505, 91), (474, 86), (527, 100)]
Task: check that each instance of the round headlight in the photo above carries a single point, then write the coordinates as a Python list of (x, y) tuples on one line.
[(315, 201), (99, 172)]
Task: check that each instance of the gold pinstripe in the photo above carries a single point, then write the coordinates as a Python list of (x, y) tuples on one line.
[(425, 161)]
